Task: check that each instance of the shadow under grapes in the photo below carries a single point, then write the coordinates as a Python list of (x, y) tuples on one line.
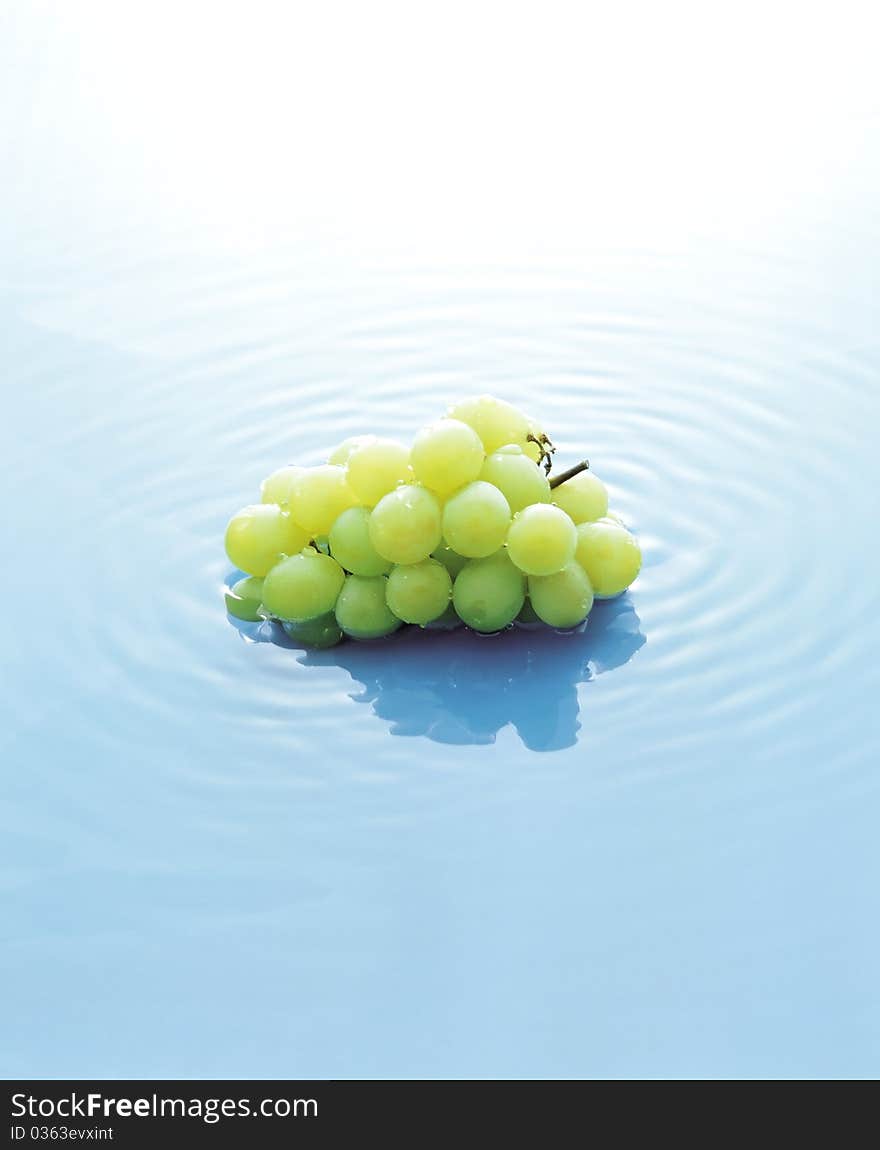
[(458, 687)]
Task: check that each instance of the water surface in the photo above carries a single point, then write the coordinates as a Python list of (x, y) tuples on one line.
[(650, 848)]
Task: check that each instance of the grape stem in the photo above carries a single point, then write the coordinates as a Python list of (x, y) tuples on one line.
[(545, 447), (570, 473)]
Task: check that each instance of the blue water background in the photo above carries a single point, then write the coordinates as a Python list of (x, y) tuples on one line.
[(650, 849)]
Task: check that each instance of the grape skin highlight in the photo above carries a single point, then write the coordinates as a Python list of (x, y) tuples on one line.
[(446, 455), (541, 540), (339, 456), (475, 520), (489, 593), (245, 598), (259, 535), (584, 497), (302, 587), (564, 599), (377, 467), (278, 487), (405, 524), (517, 477), (495, 421), (350, 544), (610, 555), (319, 497), (451, 560), (361, 609), (420, 592)]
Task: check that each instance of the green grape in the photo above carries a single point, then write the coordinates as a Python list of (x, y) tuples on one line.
[(476, 519), (405, 524), (303, 587), (517, 477), (495, 421), (489, 593), (377, 467), (361, 610), (419, 592), (319, 496), (350, 544), (448, 621), (446, 455), (583, 497), (563, 599), (541, 540), (258, 536), (321, 632), (611, 517), (244, 599), (278, 486), (339, 456), (451, 560), (610, 556)]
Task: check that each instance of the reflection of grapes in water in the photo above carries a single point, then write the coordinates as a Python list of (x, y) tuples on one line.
[(459, 688)]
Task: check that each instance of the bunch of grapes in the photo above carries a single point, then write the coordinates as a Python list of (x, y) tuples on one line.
[(465, 527)]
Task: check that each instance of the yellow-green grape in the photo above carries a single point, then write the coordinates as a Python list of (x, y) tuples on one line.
[(517, 477), (258, 536), (610, 556), (584, 497), (495, 421), (451, 560), (405, 524), (377, 467), (277, 487), (303, 587), (340, 455), (476, 519), (611, 517), (419, 592), (361, 610), (489, 593), (351, 547), (244, 599), (321, 632), (319, 496), (541, 539), (563, 599), (446, 455)]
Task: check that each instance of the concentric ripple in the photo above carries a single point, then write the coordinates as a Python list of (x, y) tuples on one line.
[(378, 814), (726, 434)]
